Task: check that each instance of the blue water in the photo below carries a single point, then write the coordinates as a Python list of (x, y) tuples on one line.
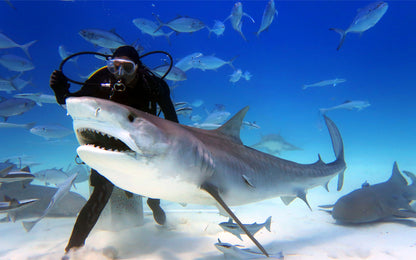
[(297, 49)]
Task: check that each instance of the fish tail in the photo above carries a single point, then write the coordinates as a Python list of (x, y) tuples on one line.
[(322, 110), (342, 33), (230, 62), (168, 36), (161, 24), (30, 125), (25, 47), (338, 147), (305, 87), (268, 223)]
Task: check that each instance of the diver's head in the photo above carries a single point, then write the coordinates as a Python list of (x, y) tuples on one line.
[(124, 63)]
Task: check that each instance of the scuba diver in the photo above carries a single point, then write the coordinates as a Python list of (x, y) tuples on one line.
[(127, 81)]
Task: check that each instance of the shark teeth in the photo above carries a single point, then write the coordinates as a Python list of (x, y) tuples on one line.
[(101, 140)]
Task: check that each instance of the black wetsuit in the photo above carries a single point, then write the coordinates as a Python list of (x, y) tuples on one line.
[(148, 91)]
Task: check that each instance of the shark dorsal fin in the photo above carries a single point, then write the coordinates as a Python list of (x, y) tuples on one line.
[(396, 176), (232, 127)]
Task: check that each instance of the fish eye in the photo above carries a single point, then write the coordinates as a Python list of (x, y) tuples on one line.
[(131, 117)]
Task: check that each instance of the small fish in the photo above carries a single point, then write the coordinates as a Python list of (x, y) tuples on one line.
[(175, 74), (39, 98), (15, 106), (186, 63), (51, 176), (63, 190), (16, 63), (102, 38), (151, 28), (251, 125), (207, 126), (178, 105), (247, 75), (51, 131), (234, 229), (14, 204), (211, 62), (366, 18), (17, 176), (236, 76), (269, 13), (323, 83), (274, 144), (197, 103), (11, 125), (218, 28), (350, 105), (184, 111), (181, 24), (6, 43), (216, 117), (236, 16), (234, 252)]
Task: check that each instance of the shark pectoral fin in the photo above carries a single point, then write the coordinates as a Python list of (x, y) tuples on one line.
[(238, 235), (287, 200), (28, 225), (213, 191)]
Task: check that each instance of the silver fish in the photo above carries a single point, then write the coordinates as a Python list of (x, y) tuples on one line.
[(15, 106), (39, 98), (175, 74), (237, 252), (16, 63), (102, 38), (269, 13), (11, 125), (186, 63), (349, 105), (181, 24), (51, 131), (236, 16), (14, 204), (211, 62), (274, 144), (151, 28), (63, 190), (366, 18), (236, 76), (218, 28), (6, 43), (323, 83)]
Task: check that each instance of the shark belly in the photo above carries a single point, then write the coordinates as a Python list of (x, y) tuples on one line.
[(158, 179)]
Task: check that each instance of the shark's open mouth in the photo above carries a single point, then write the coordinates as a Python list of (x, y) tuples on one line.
[(105, 141)]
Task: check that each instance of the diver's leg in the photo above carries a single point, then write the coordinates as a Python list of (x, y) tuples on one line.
[(89, 214), (158, 213)]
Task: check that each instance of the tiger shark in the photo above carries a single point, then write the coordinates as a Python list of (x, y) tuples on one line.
[(157, 158)]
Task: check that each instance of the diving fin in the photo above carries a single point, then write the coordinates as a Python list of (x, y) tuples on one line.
[(213, 191)]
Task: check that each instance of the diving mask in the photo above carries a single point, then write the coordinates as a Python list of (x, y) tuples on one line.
[(121, 67)]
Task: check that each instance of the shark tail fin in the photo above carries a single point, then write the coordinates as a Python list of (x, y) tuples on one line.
[(410, 193), (338, 147), (342, 33), (268, 223)]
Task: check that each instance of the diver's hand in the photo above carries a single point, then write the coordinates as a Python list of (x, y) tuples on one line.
[(58, 81)]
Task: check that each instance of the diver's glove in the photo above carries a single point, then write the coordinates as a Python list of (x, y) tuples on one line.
[(59, 84), (58, 81)]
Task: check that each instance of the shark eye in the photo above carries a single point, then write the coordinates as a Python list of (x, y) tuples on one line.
[(131, 117)]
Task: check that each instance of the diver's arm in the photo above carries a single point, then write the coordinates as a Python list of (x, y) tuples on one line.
[(60, 86), (165, 102)]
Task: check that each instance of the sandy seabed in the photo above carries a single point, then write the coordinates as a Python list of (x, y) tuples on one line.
[(192, 231)]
